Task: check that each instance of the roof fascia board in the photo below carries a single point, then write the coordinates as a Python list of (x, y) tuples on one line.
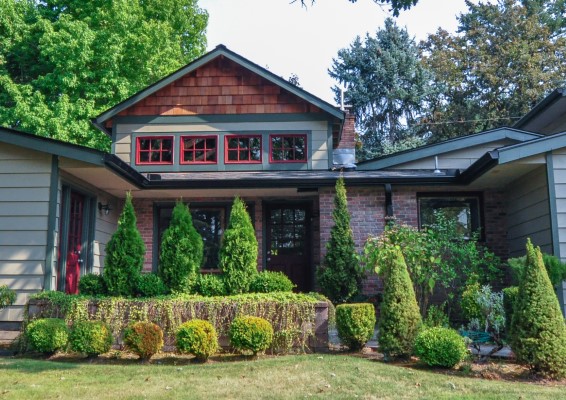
[(538, 146)]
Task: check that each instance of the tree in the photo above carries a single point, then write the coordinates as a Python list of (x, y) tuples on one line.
[(396, 5), (125, 254), (538, 332), (181, 253), (63, 62), (340, 276), (238, 251), (387, 88), (504, 58)]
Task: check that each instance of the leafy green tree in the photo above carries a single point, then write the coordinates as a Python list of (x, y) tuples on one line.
[(125, 253), (181, 251), (238, 252), (387, 87), (396, 5), (63, 62), (340, 276)]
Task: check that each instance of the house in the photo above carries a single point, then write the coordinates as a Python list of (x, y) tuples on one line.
[(223, 126)]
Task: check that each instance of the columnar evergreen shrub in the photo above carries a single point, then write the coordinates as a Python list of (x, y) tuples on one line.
[(440, 347), (181, 251), (124, 254), (90, 337), (249, 333), (271, 281), (210, 285), (7, 296), (238, 252), (144, 339), (150, 285), (92, 285), (400, 319), (538, 332), (47, 335), (340, 277), (355, 324), (197, 337)]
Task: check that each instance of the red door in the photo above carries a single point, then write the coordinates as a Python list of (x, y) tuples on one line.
[(71, 243)]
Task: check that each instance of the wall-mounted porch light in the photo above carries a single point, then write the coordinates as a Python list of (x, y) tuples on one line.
[(104, 207)]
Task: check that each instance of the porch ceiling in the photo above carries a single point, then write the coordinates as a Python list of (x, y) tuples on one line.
[(502, 175)]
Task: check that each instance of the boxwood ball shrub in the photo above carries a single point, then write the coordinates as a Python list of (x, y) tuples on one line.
[(92, 285), (249, 333), (90, 337), (210, 285), (47, 335), (197, 337), (271, 281), (150, 285), (144, 339), (355, 324), (440, 347)]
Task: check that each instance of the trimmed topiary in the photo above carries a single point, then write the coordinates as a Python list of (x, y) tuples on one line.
[(197, 337), (90, 337), (47, 335), (210, 285), (238, 252), (440, 347), (92, 285), (538, 332), (400, 318), (125, 254), (249, 333), (144, 339), (7, 296), (271, 281), (355, 324), (150, 285), (181, 251)]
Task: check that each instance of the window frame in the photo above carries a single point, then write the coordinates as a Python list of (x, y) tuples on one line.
[(193, 150), (154, 137), (247, 136), (286, 135)]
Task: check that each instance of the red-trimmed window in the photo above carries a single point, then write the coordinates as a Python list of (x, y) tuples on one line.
[(198, 149), (243, 149), (154, 150), (288, 148)]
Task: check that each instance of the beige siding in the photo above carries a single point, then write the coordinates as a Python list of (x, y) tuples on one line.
[(105, 226), (559, 172)]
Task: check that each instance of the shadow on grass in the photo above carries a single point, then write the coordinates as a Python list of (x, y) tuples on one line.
[(33, 364)]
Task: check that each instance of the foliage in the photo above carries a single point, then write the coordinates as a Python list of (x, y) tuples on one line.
[(470, 307), (555, 268), (144, 339), (125, 252), (491, 309), (181, 251), (91, 337), (92, 285), (396, 5), (400, 319), (509, 298), (62, 62), (197, 337), (210, 285), (7, 296), (355, 324), (238, 252), (538, 332), (271, 281), (436, 317), (248, 333), (340, 276), (387, 87), (150, 285), (47, 335), (440, 347)]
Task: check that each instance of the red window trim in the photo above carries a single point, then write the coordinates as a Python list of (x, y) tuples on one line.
[(228, 137), (272, 161), (182, 153), (138, 162)]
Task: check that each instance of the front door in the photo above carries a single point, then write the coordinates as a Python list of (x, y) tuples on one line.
[(288, 242), (71, 243)]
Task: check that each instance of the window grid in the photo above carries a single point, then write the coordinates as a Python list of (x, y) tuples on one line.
[(199, 149), (287, 148), (243, 149), (154, 150)]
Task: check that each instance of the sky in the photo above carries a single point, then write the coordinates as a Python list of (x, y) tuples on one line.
[(289, 39)]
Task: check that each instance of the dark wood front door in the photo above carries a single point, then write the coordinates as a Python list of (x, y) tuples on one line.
[(288, 242)]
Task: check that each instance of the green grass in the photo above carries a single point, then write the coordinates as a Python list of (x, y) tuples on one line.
[(288, 377)]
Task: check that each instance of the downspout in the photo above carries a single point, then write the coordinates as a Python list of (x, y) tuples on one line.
[(388, 204)]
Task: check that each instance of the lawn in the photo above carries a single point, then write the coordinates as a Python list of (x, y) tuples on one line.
[(286, 377)]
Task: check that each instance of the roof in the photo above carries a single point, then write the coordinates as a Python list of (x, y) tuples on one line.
[(536, 116)]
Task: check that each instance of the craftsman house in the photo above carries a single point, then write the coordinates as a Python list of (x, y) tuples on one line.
[(224, 126)]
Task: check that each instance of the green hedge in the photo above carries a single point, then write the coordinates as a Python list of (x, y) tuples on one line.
[(355, 324)]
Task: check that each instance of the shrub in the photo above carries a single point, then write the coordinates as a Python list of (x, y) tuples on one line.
[(7, 296), (210, 285), (124, 254), (355, 324), (470, 307), (340, 277), (181, 251), (400, 318), (555, 268), (538, 332), (144, 339), (250, 333), (47, 335), (440, 347), (90, 337), (150, 285), (238, 252), (509, 298), (92, 285), (197, 337), (436, 317), (271, 281)]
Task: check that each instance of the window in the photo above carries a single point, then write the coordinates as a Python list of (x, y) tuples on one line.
[(288, 148), (154, 150), (463, 208), (243, 149), (198, 150)]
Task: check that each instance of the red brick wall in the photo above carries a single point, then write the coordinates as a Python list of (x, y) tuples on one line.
[(348, 140)]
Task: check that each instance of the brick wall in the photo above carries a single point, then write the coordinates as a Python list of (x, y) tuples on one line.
[(348, 140)]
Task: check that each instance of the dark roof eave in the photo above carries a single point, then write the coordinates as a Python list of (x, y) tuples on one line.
[(125, 171), (479, 167), (541, 105)]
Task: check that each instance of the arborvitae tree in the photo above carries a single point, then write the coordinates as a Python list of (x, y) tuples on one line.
[(181, 251), (340, 277), (124, 254), (238, 253), (400, 319), (538, 332)]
